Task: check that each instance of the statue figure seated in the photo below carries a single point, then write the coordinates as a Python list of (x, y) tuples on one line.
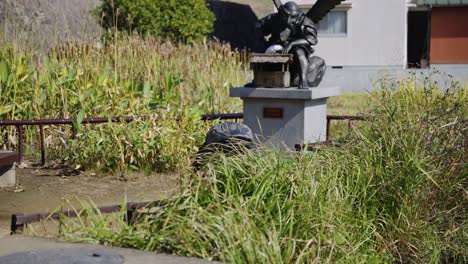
[(296, 33)]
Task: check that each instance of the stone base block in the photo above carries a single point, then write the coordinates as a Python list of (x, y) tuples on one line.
[(8, 176), (285, 118)]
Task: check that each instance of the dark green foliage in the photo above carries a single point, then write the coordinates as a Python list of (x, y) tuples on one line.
[(181, 20)]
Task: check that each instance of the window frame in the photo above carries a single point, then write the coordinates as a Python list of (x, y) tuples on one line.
[(338, 35)]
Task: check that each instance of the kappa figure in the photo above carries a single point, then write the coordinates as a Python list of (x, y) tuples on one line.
[(296, 33)]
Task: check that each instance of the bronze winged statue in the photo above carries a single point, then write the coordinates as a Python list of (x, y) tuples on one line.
[(296, 33)]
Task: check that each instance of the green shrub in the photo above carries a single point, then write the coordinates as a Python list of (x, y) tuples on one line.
[(180, 20), (165, 141)]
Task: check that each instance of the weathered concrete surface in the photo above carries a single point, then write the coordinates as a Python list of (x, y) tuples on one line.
[(7, 176), (64, 255), (365, 78), (285, 93), (44, 189), (16, 244)]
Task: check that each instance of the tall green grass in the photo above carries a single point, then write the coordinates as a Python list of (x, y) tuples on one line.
[(128, 76), (395, 192), (122, 77)]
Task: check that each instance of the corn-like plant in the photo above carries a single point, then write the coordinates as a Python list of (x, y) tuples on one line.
[(135, 76)]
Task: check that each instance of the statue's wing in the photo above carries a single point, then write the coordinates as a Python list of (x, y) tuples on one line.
[(277, 4), (321, 8)]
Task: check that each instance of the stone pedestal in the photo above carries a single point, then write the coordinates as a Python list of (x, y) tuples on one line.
[(7, 176), (7, 168), (286, 117)]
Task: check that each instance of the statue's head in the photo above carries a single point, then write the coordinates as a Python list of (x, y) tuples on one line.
[(291, 13)]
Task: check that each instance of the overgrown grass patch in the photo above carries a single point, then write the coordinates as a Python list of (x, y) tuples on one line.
[(350, 104), (174, 83), (395, 191)]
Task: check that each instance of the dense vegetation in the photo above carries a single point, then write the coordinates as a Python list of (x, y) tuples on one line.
[(179, 20), (171, 83), (394, 191)]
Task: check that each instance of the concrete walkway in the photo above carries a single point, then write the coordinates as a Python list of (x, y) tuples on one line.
[(21, 249)]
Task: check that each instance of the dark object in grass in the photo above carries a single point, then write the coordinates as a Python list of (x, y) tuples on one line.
[(227, 138)]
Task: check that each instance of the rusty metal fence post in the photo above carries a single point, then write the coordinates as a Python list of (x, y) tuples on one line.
[(20, 143), (41, 134)]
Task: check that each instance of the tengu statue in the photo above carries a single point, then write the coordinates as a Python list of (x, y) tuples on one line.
[(290, 31)]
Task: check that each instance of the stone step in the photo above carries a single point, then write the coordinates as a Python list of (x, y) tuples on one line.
[(7, 168)]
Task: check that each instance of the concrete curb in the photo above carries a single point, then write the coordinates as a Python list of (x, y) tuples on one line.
[(20, 243)]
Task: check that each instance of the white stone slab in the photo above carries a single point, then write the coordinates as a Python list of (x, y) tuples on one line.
[(7, 173), (285, 93), (7, 176)]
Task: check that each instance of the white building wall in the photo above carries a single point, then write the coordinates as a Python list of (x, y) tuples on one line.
[(375, 46), (376, 36)]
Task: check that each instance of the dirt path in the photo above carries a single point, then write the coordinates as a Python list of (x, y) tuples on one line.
[(44, 190)]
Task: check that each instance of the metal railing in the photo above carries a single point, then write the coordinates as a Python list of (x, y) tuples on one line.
[(233, 116), (20, 124), (348, 118), (20, 220), (238, 116)]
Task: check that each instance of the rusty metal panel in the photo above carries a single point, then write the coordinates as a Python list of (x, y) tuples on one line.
[(449, 35), (8, 158)]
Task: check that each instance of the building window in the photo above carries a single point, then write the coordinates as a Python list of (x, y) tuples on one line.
[(334, 23)]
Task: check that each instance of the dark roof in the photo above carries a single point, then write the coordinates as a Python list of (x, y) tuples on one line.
[(442, 2)]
